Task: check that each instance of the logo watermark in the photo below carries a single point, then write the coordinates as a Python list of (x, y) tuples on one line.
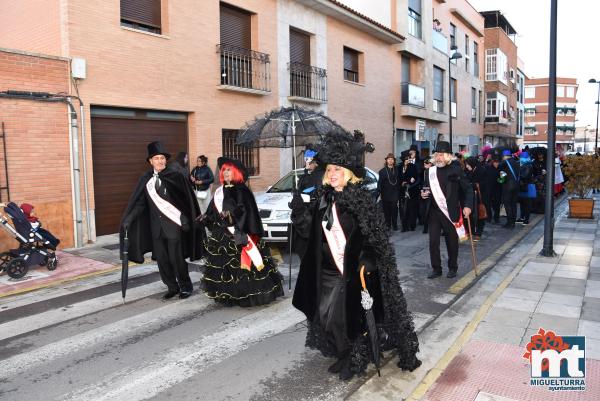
[(557, 362)]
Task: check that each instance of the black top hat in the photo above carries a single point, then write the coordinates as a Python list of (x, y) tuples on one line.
[(157, 148), (443, 147), (238, 164), (345, 150)]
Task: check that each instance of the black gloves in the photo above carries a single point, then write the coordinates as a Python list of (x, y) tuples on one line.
[(297, 204), (240, 238)]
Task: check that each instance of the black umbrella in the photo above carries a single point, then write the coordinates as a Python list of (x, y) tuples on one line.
[(367, 303), (124, 265), (288, 127)]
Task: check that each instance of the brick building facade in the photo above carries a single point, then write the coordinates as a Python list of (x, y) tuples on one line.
[(38, 154)]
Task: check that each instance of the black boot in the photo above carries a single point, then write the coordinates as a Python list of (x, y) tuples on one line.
[(346, 373), (337, 366)]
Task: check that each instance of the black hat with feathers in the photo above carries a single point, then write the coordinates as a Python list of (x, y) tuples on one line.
[(345, 150)]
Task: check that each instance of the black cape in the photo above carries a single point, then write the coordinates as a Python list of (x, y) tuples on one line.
[(368, 244), (239, 200), (182, 196)]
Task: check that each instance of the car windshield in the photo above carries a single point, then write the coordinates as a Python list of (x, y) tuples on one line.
[(285, 183)]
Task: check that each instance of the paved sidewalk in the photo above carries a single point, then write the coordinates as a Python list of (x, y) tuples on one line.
[(559, 294)]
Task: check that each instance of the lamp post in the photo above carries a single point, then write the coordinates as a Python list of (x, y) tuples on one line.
[(454, 56), (594, 81)]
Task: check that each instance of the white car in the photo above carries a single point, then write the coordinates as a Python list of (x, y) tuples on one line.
[(273, 204)]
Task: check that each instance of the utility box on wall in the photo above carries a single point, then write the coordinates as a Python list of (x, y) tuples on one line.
[(78, 68)]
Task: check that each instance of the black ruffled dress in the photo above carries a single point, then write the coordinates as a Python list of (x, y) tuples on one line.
[(331, 299), (224, 278)]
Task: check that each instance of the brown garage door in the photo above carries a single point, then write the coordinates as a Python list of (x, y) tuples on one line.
[(119, 139)]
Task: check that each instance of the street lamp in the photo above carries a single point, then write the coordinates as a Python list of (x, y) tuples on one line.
[(455, 56), (593, 81)]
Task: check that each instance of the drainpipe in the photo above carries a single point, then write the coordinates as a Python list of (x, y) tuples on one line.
[(85, 177), (76, 172)]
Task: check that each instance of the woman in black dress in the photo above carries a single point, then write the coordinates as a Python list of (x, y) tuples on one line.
[(346, 233), (239, 269)]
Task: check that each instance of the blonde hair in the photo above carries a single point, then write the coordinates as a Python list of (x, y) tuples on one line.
[(349, 176)]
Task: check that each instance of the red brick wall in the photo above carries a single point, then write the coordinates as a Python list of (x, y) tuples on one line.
[(37, 142)]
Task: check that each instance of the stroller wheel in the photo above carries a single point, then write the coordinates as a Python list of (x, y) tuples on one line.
[(52, 262), (4, 259), (17, 268)]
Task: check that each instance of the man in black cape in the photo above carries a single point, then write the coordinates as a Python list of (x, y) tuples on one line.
[(160, 218), (444, 207)]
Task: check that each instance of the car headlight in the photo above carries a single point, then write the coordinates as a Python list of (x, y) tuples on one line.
[(281, 214)]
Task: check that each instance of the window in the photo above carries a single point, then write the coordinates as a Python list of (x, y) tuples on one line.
[(237, 60), (560, 111), (141, 14), (414, 18), (452, 35), (300, 76), (495, 65), (530, 112), (476, 59), (530, 92), (351, 65), (570, 91), (405, 73), (453, 96), (438, 89), (467, 53), (495, 107), (473, 105), (248, 156), (560, 91)]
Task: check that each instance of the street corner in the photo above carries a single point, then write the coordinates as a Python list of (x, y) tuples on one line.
[(493, 371), (70, 267)]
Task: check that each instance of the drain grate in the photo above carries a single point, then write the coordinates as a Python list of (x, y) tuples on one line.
[(111, 247)]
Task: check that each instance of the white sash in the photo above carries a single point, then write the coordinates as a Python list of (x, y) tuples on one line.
[(163, 205), (251, 248), (440, 199), (336, 240)]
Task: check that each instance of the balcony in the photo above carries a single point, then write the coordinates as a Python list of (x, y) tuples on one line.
[(244, 70), (439, 41), (307, 83), (412, 94)]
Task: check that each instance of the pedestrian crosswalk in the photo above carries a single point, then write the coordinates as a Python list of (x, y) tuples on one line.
[(96, 348)]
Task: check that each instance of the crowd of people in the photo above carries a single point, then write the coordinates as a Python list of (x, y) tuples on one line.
[(348, 279), (498, 178), (348, 272)]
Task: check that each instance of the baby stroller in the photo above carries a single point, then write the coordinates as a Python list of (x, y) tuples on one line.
[(36, 245)]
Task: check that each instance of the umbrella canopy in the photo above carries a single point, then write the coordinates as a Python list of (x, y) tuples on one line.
[(287, 127)]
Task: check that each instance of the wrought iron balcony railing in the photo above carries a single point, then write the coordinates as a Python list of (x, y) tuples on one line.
[(307, 81), (244, 68)]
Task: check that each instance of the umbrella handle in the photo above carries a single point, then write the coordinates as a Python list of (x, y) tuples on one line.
[(362, 277)]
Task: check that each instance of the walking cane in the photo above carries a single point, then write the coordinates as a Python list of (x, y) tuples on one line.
[(473, 259)]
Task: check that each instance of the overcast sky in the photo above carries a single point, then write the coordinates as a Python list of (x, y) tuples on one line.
[(578, 53)]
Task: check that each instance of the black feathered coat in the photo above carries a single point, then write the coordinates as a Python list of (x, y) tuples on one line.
[(181, 196), (367, 244)]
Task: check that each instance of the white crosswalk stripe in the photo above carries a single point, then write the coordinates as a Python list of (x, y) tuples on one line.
[(34, 322), (143, 382)]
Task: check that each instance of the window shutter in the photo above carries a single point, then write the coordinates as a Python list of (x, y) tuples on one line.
[(415, 5), (299, 47), (144, 12), (235, 27), (350, 60)]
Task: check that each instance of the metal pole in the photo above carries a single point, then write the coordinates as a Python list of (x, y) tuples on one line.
[(549, 209), (85, 178), (449, 104), (597, 112), (76, 176), (295, 186)]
